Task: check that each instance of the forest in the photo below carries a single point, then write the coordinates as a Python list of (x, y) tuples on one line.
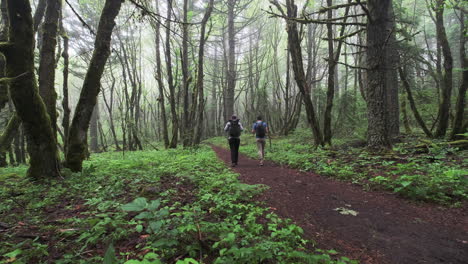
[(233, 131)]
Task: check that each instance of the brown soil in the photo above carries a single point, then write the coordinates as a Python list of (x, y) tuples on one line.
[(387, 229)]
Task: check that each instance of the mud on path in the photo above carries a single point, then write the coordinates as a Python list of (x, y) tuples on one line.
[(386, 229)]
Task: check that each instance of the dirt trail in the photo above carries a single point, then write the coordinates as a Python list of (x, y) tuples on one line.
[(387, 229)]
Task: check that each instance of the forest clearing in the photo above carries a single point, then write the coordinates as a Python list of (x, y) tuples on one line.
[(233, 131)]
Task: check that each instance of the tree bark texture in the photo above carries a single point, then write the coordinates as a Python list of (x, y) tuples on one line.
[(461, 104), (65, 100), (231, 65), (391, 78), (93, 129), (39, 14), (77, 141), (377, 36), (446, 85), (186, 127), (3, 38), (159, 78), (170, 79), (24, 93), (47, 60)]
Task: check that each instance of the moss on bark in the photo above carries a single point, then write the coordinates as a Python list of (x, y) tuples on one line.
[(24, 93)]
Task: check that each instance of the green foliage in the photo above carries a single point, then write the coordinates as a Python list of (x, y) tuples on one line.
[(151, 207)]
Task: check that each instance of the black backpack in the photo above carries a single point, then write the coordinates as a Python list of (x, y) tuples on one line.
[(234, 130), (260, 130)]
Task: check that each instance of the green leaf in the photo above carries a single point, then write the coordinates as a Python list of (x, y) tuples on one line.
[(14, 253), (139, 204), (139, 228), (155, 225), (109, 257), (145, 215), (406, 183), (154, 205)]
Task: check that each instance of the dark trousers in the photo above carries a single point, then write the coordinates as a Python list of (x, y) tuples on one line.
[(234, 146)]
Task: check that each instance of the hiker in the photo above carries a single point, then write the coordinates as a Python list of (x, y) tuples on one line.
[(234, 128), (260, 129)]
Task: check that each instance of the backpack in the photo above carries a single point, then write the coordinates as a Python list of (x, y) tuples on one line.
[(260, 130), (234, 130)]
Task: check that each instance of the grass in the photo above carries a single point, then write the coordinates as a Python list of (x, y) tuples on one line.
[(168, 206), (438, 175)]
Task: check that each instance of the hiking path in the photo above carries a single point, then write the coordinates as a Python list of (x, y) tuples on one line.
[(370, 226)]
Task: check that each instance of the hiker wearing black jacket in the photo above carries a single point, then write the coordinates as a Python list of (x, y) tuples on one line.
[(260, 129), (234, 128)]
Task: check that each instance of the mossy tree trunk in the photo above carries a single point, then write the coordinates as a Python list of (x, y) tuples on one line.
[(65, 100), (458, 127), (3, 38), (47, 60), (77, 138), (19, 54), (446, 84)]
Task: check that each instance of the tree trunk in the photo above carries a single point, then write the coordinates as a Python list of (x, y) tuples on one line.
[(460, 107), (93, 129), (231, 67), (391, 78), (170, 79), (39, 14), (444, 107), (77, 142), (161, 98), (377, 36), (404, 113), (9, 133), (200, 76), (3, 38), (416, 114), (65, 100), (298, 68), (185, 126), (333, 59), (47, 60), (24, 93)]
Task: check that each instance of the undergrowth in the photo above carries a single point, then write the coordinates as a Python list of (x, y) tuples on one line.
[(436, 174), (174, 206)]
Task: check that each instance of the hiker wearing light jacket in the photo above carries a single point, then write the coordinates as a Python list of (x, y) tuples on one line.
[(234, 128), (260, 129)]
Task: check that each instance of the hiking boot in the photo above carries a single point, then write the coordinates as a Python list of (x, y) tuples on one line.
[(261, 163), (233, 165)]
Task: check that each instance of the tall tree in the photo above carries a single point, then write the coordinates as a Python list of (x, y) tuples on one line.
[(458, 127), (170, 79), (19, 54), (446, 84), (377, 35), (77, 141), (391, 77), (159, 79), (186, 77), (231, 62), (47, 60), (294, 44), (200, 76)]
